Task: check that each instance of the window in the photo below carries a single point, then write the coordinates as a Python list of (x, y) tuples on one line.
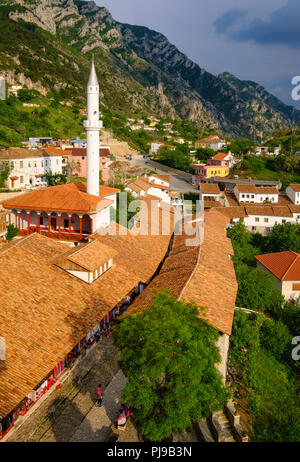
[(56, 161), (42, 163), (29, 164), (66, 223), (257, 219), (82, 158), (261, 199), (21, 164), (253, 228), (41, 220), (266, 220), (243, 195), (283, 222), (21, 179), (248, 196), (252, 196)]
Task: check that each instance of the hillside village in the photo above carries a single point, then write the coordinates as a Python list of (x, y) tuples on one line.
[(145, 260)]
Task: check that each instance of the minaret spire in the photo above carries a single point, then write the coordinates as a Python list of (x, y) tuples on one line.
[(93, 126)]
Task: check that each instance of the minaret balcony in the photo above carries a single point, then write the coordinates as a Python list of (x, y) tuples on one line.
[(93, 124)]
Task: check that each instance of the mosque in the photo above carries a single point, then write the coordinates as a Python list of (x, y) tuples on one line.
[(71, 211)]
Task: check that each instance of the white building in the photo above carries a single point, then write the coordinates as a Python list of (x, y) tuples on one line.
[(254, 195), (263, 219), (293, 193), (155, 185), (209, 192), (29, 167), (264, 150)]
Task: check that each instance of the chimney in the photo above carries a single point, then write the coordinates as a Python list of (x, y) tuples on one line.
[(2, 349)]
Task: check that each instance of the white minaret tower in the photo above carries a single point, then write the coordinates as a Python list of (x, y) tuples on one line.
[(92, 126)]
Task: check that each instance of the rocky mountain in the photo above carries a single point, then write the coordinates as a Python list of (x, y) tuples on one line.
[(47, 45)]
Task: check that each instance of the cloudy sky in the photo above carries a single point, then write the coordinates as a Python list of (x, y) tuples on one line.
[(253, 39)]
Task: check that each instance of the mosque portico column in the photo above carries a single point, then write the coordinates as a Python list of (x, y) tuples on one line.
[(49, 223), (80, 225), (70, 216), (59, 218), (28, 222), (39, 222)]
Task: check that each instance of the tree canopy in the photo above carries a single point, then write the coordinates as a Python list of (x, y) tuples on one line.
[(168, 355)]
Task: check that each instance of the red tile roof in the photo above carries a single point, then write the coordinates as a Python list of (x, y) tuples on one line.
[(203, 274), (220, 156), (21, 153), (295, 187), (252, 189), (103, 152), (63, 198), (284, 265), (91, 256), (207, 188), (50, 311)]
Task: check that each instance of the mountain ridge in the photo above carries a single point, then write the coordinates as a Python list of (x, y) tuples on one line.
[(139, 67)]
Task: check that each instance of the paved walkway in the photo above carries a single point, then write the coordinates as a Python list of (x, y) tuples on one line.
[(70, 414)]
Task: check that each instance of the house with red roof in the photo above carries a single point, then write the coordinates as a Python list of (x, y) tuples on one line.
[(79, 162), (225, 159), (285, 267)]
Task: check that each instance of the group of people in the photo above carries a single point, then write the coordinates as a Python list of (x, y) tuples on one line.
[(123, 413)]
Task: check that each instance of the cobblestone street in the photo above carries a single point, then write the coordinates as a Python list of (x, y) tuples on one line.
[(70, 414)]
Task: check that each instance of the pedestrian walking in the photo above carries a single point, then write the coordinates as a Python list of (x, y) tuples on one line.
[(99, 396), (121, 420)]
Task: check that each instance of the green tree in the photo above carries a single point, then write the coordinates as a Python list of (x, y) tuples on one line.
[(241, 238), (241, 146), (11, 232), (256, 290), (276, 338), (175, 159), (168, 355), (5, 169), (115, 213), (284, 237), (204, 153), (54, 179), (244, 340), (26, 95)]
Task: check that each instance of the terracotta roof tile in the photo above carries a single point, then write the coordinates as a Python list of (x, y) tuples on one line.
[(284, 265), (245, 188), (234, 212), (92, 255), (220, 156), (295, 187), (203, 274), (20, 153), (65, 198), (208, 188), (50, 310)]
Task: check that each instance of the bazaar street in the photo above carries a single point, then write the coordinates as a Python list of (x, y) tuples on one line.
[(70, 414)]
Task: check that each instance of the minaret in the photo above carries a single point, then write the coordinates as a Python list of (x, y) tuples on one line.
[(92, 126)]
